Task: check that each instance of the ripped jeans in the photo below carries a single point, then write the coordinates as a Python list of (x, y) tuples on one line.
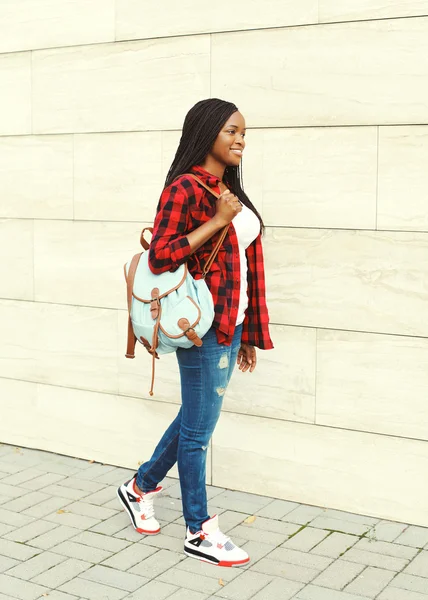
[(205, 373)]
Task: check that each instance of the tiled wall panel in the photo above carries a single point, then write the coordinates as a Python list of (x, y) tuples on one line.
[(117, 177), (16, 259), (119, 87), (68, 346), (30, 24), (15, 93), (322, 466), (403, 178), (137, 19), (351, 280), (293, 76), (372, 382), (350, 10), (36, 177)]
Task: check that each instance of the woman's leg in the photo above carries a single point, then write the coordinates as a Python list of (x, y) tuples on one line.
[(164, 457), (205, 373)]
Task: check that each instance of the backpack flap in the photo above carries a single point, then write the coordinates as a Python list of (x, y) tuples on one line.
[(145, 281)]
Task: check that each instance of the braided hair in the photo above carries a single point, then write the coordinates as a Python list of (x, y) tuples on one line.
[(202, 124)]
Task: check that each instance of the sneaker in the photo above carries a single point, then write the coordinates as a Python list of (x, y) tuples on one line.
[(139, 507), (212, 546)]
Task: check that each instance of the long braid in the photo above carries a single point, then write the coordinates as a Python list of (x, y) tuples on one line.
[(201, 126)]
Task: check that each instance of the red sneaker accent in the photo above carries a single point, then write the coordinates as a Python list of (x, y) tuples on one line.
[(231, 563), (147, 532)]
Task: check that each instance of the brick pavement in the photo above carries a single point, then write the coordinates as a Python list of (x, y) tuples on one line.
[(64, 536)]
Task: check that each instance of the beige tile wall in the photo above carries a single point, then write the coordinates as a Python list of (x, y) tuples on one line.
[(335, 96)]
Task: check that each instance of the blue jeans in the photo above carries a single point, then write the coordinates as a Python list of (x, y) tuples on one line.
[(205, 373)]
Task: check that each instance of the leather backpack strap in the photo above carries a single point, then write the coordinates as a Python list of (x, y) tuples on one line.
[(223, 234), (132, 340)]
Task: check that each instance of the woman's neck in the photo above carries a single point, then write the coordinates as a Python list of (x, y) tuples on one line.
[(214, 167)]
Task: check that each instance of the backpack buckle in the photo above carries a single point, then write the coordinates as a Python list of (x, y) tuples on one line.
[(155, 304)]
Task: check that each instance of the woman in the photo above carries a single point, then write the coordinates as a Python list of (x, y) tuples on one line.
[(188, 223)]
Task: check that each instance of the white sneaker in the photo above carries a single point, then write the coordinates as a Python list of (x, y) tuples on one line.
[(212, 546), (139, 507)]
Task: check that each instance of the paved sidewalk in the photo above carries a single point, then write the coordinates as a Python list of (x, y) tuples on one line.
[(63, 535)]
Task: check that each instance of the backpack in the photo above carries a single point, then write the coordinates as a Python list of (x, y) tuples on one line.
[(170, 310)]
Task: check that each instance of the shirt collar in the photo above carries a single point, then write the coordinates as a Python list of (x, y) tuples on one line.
[(208, 178)]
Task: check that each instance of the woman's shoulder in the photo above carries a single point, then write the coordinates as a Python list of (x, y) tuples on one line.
[(184, 186)]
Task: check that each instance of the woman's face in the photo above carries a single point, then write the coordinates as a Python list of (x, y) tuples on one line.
[(230, 142)]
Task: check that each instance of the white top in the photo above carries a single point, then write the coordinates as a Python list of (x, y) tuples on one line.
[(247, 227)]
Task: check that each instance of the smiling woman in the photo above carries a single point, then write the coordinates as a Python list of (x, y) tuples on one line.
[(187, 227)]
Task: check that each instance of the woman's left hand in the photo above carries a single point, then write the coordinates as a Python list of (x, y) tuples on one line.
[(247, 358)]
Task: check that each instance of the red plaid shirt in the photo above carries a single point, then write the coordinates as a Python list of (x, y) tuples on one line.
[(183, 207)]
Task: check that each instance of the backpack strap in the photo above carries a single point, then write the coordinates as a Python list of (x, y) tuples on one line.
[(223, 234), (132, 340)]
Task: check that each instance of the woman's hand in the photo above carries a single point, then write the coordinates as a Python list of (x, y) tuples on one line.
[(247, 358), (227, 207)]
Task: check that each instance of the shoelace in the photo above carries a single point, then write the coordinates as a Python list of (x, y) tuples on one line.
[(219, 537), (148, 509)]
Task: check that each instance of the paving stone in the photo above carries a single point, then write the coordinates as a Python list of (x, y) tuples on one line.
[(386, 548), (419, 565), (72, 520), (303, 514), (30, 531), (166, 515), (335, 544), (56, 595), (157, 563), (153, 589), (388, 531), (61, 573), (36, 565), (199, 567), (4, 499), (22, 476), (113, 524), (102, 496), (305, 539), (103, 542), (18, 551), (116, 476), (163, 541), (413, 536), (82, 484), (277, 509), (375, 560), (59, 468), (174, 530), (250, 533), (213, 491), (94, 471), (183, 594), (8, 517), (241, 501), (322, 522), (127, 558), (244, 586), (313, 592), (89, 510), (256, 551), (7, 563), (54, 537), (279, 588), (392, 593), (230, 519), (27, 501), (5, 529), (128, 534), (370, 582), (342, 515), (24, 590), (273, 525), (46, 507), (289, 571), (42, 482), (82, 552), (92, 590), (338, 574), (411, 582), (199, 583), (114, 578), (70, 493), (300, 558), (169, 502)]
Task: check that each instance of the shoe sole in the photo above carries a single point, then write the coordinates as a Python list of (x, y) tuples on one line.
[(220, 563), (131, 516)]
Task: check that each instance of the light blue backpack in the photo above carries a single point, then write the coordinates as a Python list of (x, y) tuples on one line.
[(167, 311)]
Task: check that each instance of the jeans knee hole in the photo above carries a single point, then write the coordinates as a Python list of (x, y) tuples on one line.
[(220, 391), (224, 362)]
